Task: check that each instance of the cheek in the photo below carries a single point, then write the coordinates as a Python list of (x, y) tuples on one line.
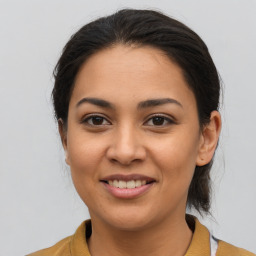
[(85, 155), (176, 158), (83, 160), (84, 152)]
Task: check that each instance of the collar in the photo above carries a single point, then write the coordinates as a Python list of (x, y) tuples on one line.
[(78, 243), (200, 244)]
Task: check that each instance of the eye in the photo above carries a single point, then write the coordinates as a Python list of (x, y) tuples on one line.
[(96, 120), (159, 120)]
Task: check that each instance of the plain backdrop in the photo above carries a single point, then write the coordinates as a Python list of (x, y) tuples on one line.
[(39, 205)]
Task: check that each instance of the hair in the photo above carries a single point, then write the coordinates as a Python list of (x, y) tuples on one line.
[(147, 28)]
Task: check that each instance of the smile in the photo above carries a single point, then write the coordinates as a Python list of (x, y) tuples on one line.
[(127, 184)]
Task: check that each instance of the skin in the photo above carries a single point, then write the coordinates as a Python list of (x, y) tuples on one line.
[(126, 139)]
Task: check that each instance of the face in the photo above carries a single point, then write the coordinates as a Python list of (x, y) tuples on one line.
[(133, 137)]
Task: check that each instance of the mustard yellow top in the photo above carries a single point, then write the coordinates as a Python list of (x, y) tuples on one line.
[(76, 244)]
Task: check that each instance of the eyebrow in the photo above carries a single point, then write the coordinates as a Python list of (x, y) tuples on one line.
[(144, 104), (157, 102), (97, 102)]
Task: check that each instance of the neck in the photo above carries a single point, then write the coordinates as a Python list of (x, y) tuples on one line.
[(171, 237)]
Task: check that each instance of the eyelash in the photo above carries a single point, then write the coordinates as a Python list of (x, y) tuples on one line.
[(166, 120), (86, 120)]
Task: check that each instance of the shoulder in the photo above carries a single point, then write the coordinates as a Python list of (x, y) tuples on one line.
[(201, 244), (61, 248), (72, 245), (225, 249)]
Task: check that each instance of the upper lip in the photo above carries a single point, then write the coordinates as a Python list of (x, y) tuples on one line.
[(127, 177)]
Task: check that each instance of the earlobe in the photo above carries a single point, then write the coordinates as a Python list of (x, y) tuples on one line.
[(63, 136), (209, 139)]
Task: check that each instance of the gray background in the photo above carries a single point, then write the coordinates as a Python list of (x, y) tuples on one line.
[(39, 205)]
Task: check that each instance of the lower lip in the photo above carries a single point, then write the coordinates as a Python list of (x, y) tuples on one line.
[(128, 193)]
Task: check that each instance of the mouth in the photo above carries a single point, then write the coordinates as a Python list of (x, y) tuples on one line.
[(127, 186), (127, 181)]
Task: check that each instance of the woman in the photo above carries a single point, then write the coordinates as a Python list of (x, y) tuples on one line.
[(136, 97)]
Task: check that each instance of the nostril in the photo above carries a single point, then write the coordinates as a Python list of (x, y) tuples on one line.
[(125, 153)]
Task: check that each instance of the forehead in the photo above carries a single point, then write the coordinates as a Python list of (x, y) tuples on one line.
[(125, 71)]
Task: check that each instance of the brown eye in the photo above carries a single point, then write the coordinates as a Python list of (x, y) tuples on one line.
[(159, 121), (96, 121)]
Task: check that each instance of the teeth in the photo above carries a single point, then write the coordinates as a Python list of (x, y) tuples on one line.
[(128, 184), (137, 183), (115, 183), (122, 184)]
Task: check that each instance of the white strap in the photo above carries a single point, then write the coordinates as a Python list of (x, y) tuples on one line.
[(214, 245)]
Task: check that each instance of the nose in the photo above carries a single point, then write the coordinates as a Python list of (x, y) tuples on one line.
[(126, 147)]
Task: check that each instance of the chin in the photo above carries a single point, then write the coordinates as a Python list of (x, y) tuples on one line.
[(130, 224), (129, 220)]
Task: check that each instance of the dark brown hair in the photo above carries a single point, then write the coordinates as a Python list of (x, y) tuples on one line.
[(149, 28)]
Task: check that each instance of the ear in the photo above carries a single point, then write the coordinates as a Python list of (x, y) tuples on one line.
[(63, 136), (209, 139)]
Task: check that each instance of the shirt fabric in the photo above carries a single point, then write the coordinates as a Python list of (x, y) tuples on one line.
[(201, 245), (213, 245)]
